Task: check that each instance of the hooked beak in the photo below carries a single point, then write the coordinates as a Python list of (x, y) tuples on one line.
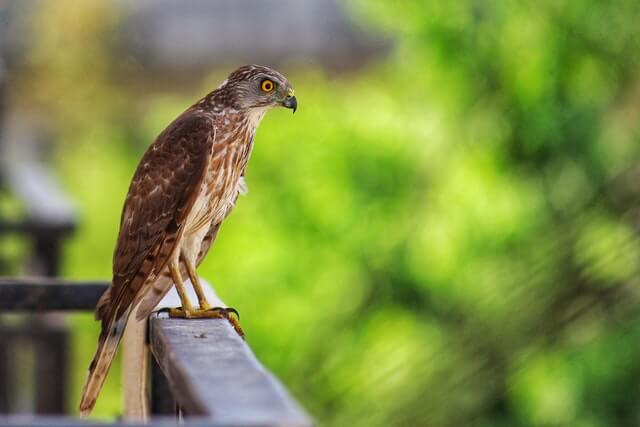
[(290, 101)]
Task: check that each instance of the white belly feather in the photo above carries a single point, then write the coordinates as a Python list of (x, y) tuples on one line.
[(203, 213)]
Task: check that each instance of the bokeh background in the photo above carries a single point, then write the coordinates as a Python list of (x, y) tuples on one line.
[(445, 233)]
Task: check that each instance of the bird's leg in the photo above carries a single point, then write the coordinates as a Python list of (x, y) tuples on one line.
[(195, 282), (206, 311), (187, 309)]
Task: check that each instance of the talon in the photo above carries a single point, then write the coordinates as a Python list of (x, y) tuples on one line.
[(225, 312), (232, 310), (236, 326), (215, 312)]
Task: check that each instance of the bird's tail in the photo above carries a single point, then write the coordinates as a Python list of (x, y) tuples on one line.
[(107, 348)]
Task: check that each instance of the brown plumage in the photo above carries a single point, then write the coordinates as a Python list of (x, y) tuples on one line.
[(185, 185)]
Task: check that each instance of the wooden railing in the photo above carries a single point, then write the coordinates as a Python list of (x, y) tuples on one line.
[(200, 371)]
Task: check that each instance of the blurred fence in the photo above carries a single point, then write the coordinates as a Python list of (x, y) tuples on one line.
[(37, 343)]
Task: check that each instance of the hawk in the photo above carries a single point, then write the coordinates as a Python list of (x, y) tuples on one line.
[(185, 185)]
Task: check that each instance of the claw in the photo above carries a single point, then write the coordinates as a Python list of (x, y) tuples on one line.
[(234, 311), (236, 325), (225, 312), (215, 312)]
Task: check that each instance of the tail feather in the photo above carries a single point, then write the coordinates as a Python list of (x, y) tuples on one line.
[(107, 349)]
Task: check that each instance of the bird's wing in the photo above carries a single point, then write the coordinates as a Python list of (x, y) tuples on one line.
[(164, 188), (162, 192), (163, 284)]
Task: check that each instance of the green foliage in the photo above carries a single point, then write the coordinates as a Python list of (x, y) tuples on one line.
[(446, 238)]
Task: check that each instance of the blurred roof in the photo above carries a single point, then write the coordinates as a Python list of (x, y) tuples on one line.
[(166, 36), (199, 33)]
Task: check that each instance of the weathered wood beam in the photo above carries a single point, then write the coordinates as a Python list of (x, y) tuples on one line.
[(39, 294), (212, 372)]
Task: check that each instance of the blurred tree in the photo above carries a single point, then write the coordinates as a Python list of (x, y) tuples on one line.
[(541, 247)]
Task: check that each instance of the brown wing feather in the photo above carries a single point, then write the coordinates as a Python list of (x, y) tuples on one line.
[(163, 190), (163, 284), (161, 193)]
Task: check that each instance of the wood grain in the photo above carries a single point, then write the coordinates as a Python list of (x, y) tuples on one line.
[(213, 373)]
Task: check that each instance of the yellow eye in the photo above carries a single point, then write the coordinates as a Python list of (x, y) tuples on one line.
[(267, 85)]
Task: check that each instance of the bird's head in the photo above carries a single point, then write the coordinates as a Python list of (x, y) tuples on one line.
[(256, 86)]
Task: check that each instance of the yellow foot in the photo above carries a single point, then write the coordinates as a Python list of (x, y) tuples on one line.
[(231, 314)]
